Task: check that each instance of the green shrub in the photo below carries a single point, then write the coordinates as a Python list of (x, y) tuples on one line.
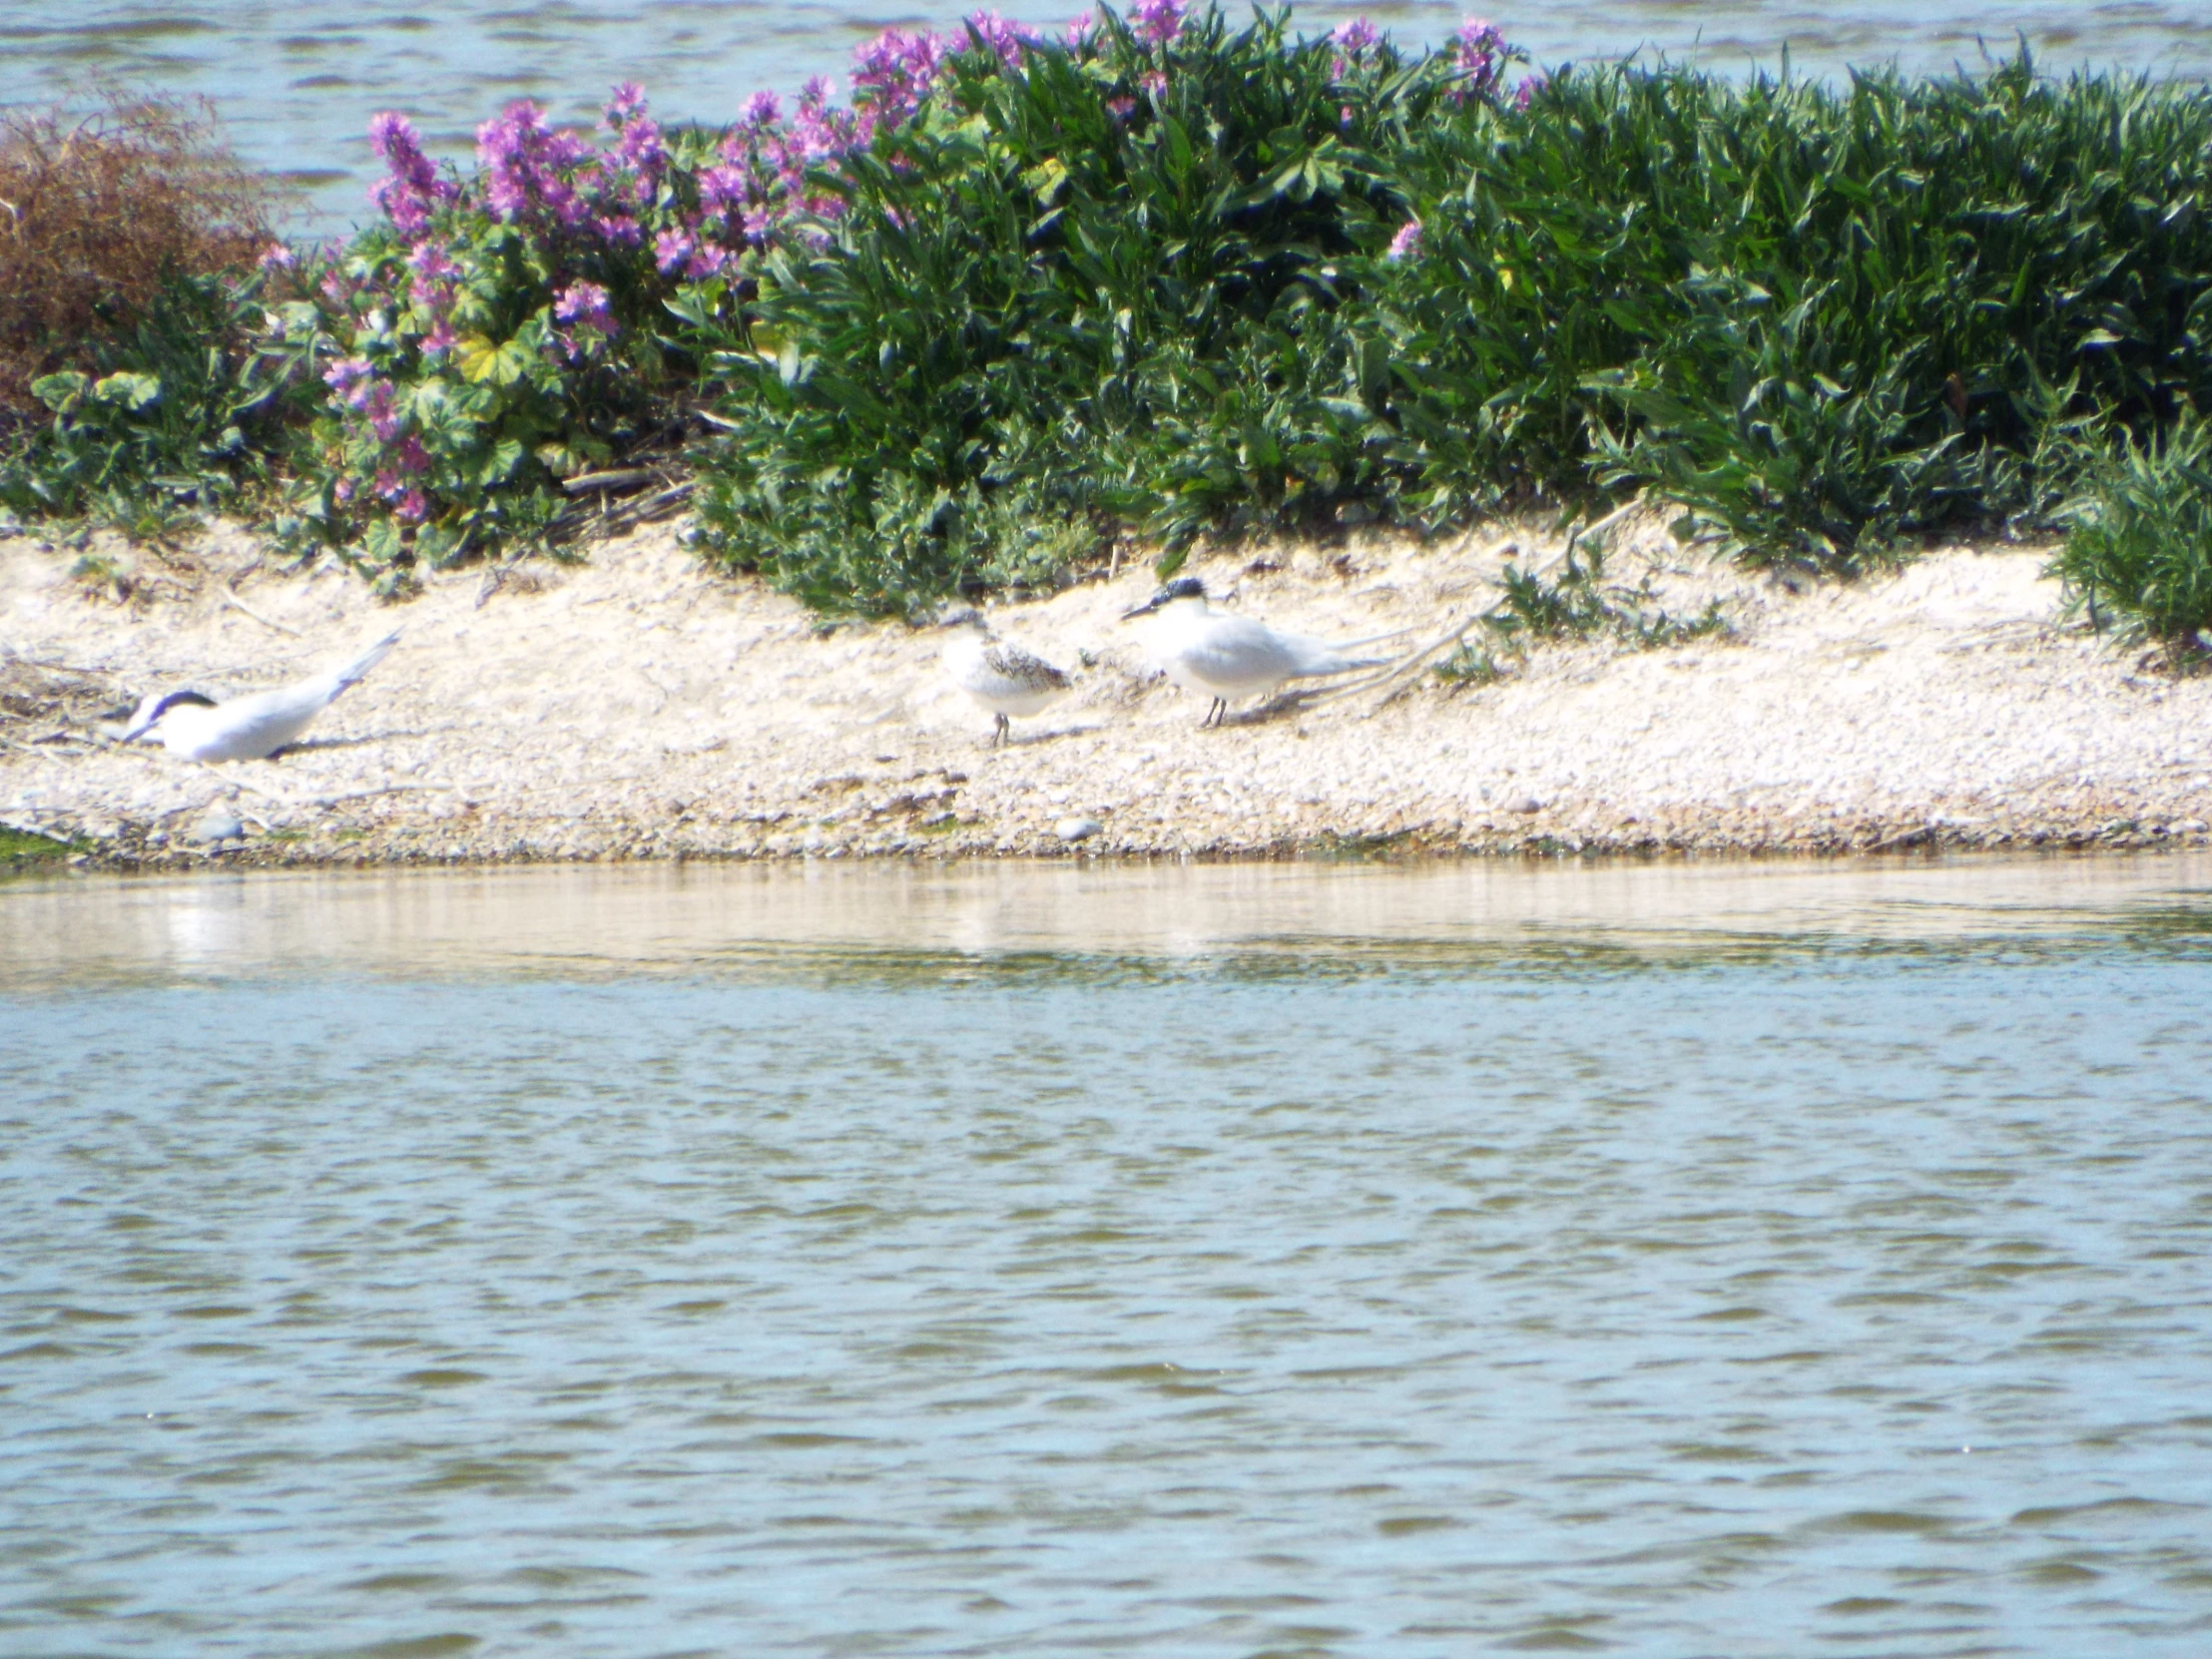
[(2138, 552), (178, 410), (1822, 320), (494, 336), (130, 383), (1176, 277), (1081, 286)]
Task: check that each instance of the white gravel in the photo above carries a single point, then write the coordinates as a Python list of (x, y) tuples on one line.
[(639, 705)]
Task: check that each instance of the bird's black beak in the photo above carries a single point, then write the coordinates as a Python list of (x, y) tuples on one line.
[(1146, 609)]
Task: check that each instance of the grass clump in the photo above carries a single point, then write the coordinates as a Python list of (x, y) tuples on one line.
[(129, 378), (1578, 605), (2138, 548), (25, 851)]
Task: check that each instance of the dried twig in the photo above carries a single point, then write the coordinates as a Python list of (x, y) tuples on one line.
[(625, 478), (230, 598)]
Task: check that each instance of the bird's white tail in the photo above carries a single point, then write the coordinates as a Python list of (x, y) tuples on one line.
[(361, 665), (1341, 646)]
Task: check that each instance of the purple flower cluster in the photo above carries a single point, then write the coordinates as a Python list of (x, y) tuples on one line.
[(1478, 53), (599, 207), (591, 322), (410, 190), (894, 73), (1003, 40), (1351, 40), (1157, 21)]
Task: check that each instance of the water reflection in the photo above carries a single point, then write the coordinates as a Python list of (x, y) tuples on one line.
[(706, 917)]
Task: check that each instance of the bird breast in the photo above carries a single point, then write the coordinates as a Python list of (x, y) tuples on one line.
[(1224, 656), (1003, 678)]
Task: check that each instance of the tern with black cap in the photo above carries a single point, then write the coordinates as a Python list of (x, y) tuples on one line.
[(251, 728)]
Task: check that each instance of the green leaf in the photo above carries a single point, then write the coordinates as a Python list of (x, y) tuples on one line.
[(130, 389), (60, 393)]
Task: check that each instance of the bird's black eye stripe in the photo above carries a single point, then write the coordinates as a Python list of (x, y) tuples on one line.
[(174, 698)]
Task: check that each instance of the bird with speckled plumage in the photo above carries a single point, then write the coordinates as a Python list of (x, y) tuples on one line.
[(1003, 676)]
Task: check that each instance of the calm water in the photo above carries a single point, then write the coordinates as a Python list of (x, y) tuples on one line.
[(298, 84), (1204, 1261)]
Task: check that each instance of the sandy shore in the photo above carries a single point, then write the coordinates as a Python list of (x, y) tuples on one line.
[(637, 706)]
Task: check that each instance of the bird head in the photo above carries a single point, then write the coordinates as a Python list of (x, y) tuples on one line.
[(963, 615), (158, 704), (1182, 588)]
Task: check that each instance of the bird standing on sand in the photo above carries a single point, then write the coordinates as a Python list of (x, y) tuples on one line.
[(251, 728), (1001, 676), (1229, 657)]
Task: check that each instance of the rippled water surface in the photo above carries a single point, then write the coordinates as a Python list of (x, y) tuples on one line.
[(1038, 1261), (298, 84)]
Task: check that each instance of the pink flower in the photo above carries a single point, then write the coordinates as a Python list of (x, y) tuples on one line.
[(619, 228), (1406, 243), (529, 168), (1121, 107), (891, 75), (641, 150), (724, 188), (384, 423), (1157, 21), (278, 257), (431, 262), (584, 304), (1525, 92), (412, 508), (411, 457), (763, 111), (410, 189), (626, 102), (342, 375), (342, 491), (441, 339), (1477, 52), (1003, 40), (1351, 39), (669, 250), (1079, 32)]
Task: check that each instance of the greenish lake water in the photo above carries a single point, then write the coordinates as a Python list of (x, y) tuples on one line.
[(298, 84), (1207, 1260)]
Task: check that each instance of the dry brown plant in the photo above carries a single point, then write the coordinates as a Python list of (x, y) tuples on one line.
[(97, 211)]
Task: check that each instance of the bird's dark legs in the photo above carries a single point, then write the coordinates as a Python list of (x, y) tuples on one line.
[(1004, 731), (1215, 715)]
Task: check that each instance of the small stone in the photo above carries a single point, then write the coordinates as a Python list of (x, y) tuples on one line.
[(217, 823), (1077, 829), (1524, 803)]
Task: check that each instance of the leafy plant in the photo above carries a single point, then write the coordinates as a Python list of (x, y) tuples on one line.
[(129, 386), (2138, 550), (1077, 285)]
